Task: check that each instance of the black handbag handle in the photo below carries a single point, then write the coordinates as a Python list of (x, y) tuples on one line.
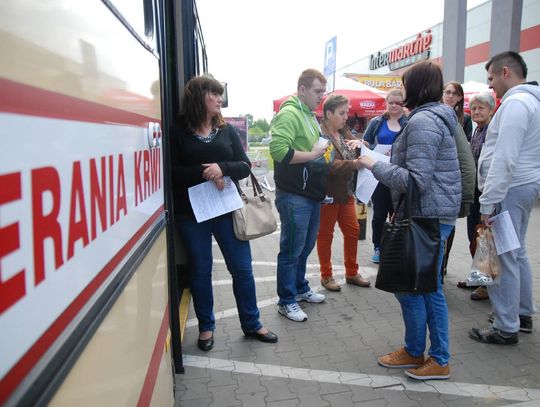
[(257, 189), (411, 191)]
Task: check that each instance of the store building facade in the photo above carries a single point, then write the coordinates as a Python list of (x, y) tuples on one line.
[(383, 69)]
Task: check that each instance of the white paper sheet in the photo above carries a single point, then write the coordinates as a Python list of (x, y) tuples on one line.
[(382, 148), (209, 202), (322, 142), (366, 182), (504, 234)]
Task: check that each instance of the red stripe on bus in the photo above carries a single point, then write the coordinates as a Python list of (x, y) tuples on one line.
[(29, 100), (153, 367), (27, 362)]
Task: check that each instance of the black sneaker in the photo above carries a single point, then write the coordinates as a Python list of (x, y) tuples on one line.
[(525, 323), (493, 336)]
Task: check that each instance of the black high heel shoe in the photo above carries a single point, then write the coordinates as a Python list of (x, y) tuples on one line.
[(268, 337), (206, 344)]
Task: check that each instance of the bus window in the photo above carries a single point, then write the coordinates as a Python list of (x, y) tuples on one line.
[(138, 16)]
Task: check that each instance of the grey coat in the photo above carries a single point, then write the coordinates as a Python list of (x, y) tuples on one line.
[(426, 150)]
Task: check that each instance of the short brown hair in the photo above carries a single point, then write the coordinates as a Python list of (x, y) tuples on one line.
[(193, 103), (308, 76), (512, 60), (333, 102), (423, 83)]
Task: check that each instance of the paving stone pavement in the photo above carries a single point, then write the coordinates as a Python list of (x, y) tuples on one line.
[(330, 360)]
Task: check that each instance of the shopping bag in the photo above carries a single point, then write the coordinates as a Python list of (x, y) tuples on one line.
[(486, 265), (409, 252), (256, 218)]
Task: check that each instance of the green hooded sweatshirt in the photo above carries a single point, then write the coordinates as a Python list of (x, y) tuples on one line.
[(295, 128)]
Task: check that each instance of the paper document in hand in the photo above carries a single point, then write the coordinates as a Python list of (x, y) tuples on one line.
[(366, 182), (504, 234), (322, 142), (209, 202), (383, 149)]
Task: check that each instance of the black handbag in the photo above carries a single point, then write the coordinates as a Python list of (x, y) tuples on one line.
[(409, 251)]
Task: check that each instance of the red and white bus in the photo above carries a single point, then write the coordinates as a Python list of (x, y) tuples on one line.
[(89, 287)]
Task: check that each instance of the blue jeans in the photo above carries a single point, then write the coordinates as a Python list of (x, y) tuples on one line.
[(299, 226), (197, 239), (428, 310)]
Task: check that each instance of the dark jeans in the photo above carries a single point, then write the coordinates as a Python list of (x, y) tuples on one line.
[(299, 226), (382, 208), (473, 219), (197, 238)]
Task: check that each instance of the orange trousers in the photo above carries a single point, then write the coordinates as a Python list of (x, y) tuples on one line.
[(345, 216)]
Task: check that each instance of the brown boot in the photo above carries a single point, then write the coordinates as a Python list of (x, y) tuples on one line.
[(400, 359), (330, 284), (430, 370), (358, 280), (481, 293)]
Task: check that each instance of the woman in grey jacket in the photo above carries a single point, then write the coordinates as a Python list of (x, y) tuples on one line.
[(426, 151)]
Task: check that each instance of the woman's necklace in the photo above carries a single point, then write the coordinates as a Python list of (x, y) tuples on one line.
[(206, 133)]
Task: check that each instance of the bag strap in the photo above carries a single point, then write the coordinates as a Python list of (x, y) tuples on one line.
[(411, 191), (257, 189)]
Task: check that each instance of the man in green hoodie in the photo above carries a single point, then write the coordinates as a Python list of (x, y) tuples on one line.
[(299, 191)]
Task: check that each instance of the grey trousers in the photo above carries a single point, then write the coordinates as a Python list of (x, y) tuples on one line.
[(512, 294)]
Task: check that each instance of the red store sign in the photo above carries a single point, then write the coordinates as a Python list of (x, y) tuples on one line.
[(403, 55)]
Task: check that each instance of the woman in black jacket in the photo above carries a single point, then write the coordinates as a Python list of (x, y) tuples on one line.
[(208, 149)]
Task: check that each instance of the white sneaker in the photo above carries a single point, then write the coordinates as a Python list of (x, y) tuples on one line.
[(293, 312), (310, 296)]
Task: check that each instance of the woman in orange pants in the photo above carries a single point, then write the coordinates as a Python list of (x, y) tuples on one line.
[(341, 189)]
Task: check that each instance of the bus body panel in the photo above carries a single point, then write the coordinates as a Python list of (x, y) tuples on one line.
[(124, 346), (81, 191), (78, 49)]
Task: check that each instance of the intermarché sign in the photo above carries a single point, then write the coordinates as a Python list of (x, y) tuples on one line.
[(403, 55)]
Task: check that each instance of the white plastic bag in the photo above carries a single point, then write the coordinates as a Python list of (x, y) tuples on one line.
[(486, 266)]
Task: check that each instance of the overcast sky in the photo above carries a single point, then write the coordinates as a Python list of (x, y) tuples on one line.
[(260, 47)]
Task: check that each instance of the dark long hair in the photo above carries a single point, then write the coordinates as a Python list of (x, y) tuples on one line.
[(423, 83), (194, 105), (458, 108)]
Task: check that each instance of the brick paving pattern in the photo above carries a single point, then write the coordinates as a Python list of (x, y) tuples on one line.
[(330, 360)]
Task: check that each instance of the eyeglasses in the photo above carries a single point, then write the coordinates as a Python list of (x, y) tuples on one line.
[(395, 103), (450, 93)]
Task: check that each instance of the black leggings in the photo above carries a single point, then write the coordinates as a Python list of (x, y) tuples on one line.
[(382, 208)]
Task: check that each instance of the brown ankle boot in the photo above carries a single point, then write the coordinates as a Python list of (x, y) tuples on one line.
[(330, 284), (358, 280)]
